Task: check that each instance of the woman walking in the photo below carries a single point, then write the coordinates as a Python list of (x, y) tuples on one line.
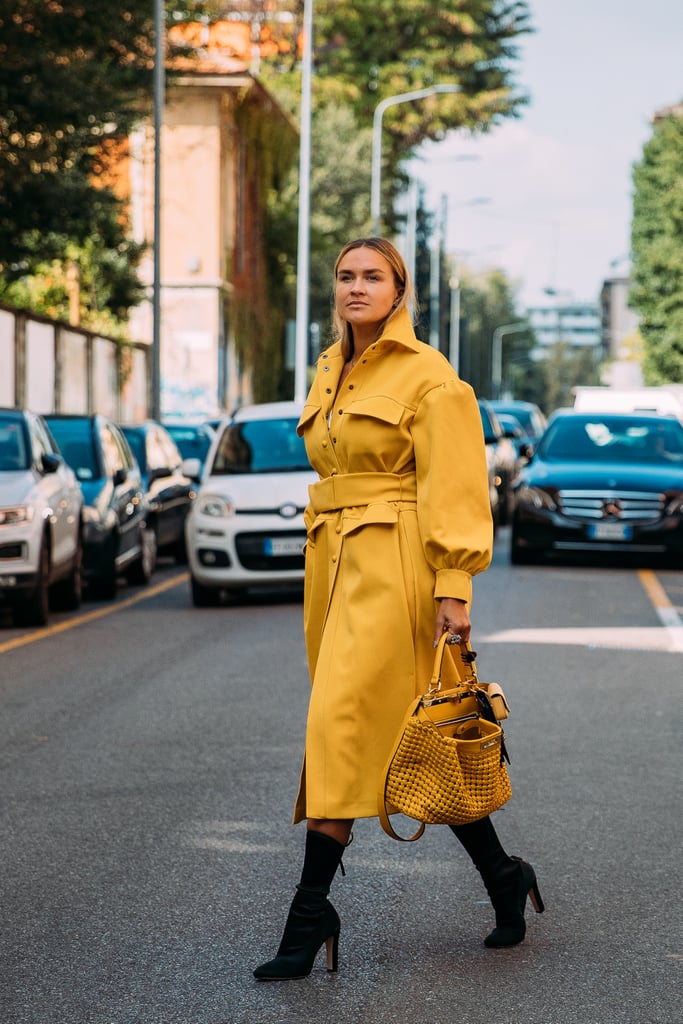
[(398, 525)]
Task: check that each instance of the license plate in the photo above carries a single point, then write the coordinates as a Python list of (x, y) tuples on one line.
[(610, 531), (279, 546)]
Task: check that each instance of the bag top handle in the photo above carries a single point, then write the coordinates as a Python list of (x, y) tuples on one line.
[(463, 660)]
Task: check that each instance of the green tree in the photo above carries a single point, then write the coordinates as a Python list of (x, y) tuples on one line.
[(487, 301), (367, 50), (657, 248), (72, 78), (564, 368)]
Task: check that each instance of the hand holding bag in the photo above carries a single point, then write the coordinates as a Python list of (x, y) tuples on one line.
[(447, 765)]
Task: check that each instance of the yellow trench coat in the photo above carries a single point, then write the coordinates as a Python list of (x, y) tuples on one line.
[(400, 517)]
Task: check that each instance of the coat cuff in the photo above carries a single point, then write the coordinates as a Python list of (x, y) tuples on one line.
[(453, 583)]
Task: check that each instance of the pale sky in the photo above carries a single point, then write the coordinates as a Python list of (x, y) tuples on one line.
[(557, 181)]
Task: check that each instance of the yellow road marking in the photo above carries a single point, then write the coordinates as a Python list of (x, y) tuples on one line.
[(99, 613), (666, 612), (654, 589)]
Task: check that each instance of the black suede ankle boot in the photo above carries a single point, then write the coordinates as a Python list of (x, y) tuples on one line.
[(312, 920), (508, 881)]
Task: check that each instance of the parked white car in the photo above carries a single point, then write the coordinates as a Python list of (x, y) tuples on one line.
[(246, 527), (40, 521)]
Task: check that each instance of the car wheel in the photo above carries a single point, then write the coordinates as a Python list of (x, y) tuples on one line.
[(67, 595), (104, 586), (180, 551), (204, 597), (524, 556), (34, 609), (504, 502), (141, 571)]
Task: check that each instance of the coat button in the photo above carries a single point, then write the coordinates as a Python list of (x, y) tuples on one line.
[(324, 444), (337, 529), (333, 472)]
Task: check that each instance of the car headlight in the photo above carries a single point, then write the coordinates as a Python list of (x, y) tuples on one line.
[(215, 506), (675, 506), (16, 516), (536, 497)]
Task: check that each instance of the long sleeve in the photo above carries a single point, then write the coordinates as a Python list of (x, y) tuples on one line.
[(453, 504)]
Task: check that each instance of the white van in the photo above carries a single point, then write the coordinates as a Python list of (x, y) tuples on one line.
[(665, 401)]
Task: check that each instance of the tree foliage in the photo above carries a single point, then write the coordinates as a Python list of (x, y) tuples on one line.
[(486, 302), (657, 251), (565, 367), (72, 75), (366, 51)]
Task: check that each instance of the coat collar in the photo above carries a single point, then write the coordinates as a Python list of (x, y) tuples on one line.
[(398, 331)]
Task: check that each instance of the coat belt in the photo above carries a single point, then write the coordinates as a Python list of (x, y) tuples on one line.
[(344, 490)]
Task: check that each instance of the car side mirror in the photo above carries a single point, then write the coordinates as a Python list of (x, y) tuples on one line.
[(192, 468), (51, 462), (120, 477)]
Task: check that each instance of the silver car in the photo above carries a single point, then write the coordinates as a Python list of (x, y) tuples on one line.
[(40, 521)]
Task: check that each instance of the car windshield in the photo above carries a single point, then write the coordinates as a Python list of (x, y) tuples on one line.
[(75, 442), (14, 452), (260, 446), (613, 439), (523, 416), (193, 442)]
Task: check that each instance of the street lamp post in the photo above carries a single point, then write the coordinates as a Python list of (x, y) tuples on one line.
[(497, 353), (156, 285), (302, 289), (392, 101), (454, 335)]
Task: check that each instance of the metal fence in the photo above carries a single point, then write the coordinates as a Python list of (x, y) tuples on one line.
[(49, 366)]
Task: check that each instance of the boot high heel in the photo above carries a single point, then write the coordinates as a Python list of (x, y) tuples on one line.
[(312, 922), (509, 895)]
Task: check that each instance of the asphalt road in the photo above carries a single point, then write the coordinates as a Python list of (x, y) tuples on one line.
[(149, 755)]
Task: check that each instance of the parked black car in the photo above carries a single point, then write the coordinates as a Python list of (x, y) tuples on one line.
[(608, 482), (116, 537), (513, 429), (505, 459), (532, 421), (168, 492)]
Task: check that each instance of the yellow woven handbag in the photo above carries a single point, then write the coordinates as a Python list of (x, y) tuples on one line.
[(447, 765)]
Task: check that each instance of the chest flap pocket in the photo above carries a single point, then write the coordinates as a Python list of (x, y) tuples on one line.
[(377, 407)]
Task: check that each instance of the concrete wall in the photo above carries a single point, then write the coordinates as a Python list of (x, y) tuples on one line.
[(48, 366)]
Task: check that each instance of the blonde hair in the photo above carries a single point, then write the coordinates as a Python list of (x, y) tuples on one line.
[(343, 330)]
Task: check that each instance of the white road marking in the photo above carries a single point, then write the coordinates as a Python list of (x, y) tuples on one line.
[(633, 638)]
